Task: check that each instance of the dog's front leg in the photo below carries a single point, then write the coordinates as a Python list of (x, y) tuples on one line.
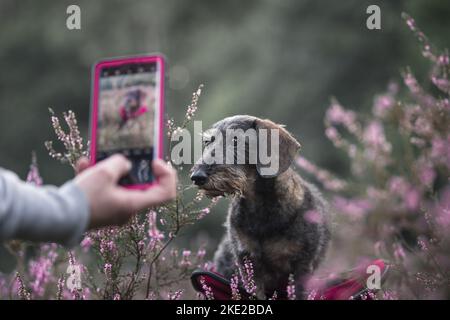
[(224, 258)]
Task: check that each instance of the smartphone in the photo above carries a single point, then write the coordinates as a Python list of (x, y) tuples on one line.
[(127, 108)]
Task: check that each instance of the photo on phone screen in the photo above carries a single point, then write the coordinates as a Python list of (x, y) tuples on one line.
[(126, 111)]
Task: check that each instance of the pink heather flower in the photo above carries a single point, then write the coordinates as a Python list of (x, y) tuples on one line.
[(40, 273), (423, 244), (40, 269), (208, 265), (337, 115), (399, 252), (107, 268), (34, 176), (375, 194), (332, 133), (443, 59), (442, 210), (354, 208), (175, 295), (423, 126), (410, 22), (192, 108), (141, 245), (86, 294), (291, 288), (274, 296), (186, 253), (152, 296), (204, 212), (216, 199), (370, 295), (313, 295), (398, 185), (313, 216), (247, 277), (352, 151), (305, 164), (61, 290), (383, 105), (334, 184), (440, 149), (206, 289), (21, 289), (327, 179), (411, 82), (374, 136), (201, 253), (426, 174), (389, 295), (444, 104), (3, 287), (442, 83), (107, 246), (234, 285), (412, 199), (86, 243), (410, 195), (417, 142), (377, 247), (153, 231), (185, 262)]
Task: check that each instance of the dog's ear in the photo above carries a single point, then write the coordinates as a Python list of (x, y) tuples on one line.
[(287, 148)]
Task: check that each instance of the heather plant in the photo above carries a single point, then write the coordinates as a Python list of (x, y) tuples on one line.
[(396, 202), (136, 261)]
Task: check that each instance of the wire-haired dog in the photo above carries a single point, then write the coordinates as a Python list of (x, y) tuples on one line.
[(279, 223)]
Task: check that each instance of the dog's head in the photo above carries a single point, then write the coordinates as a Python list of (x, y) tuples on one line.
[(237, 150)]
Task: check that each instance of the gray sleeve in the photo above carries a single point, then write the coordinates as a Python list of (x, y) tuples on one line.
[(47, 214)]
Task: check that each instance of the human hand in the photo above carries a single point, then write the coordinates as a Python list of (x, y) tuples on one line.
[(111, 204)]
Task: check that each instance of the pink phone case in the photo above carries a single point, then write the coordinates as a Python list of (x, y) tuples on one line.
[(158, 150)]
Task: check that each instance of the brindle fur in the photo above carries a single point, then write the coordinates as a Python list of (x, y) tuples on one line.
[(266, 220)]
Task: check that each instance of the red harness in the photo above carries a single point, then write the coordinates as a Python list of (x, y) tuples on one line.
[(351, 285)]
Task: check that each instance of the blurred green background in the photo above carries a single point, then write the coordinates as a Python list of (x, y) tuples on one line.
[(277, 59)]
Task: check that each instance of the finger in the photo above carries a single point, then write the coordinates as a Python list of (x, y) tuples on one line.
[(166, 176), (137, 200), (115, 166), (81, 165)]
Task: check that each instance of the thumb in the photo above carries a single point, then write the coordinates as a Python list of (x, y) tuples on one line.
[(161, 168), (115, 166), (167, 177)]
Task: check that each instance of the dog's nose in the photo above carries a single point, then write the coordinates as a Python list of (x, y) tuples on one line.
[(199, 177)]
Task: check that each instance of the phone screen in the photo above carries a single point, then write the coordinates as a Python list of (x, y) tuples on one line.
[(128, 107)]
